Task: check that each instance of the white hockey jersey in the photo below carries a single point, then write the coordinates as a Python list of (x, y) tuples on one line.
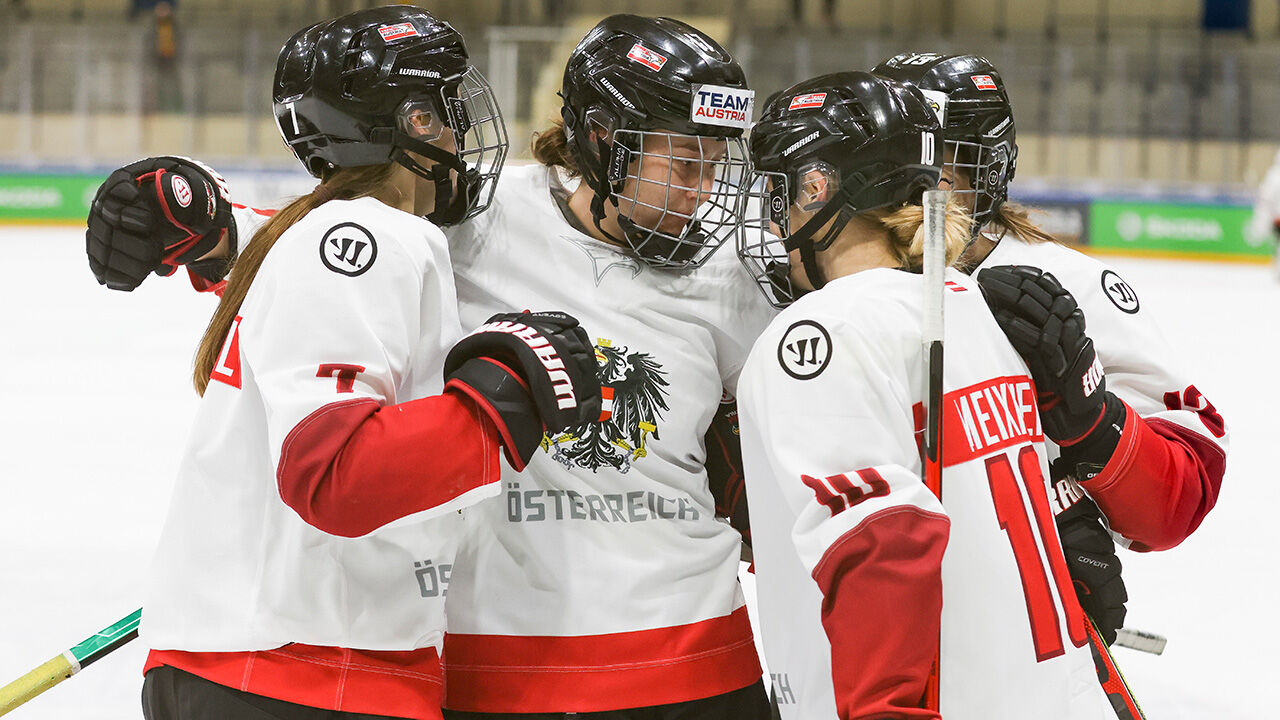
[(849, 543), (1166, 474), (354, 303), (601, 578)]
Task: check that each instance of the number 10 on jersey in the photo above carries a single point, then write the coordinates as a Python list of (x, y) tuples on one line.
[(1012, 490)]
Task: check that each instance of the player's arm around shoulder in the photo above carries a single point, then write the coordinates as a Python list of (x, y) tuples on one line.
[(831, 404), (1159, 475)]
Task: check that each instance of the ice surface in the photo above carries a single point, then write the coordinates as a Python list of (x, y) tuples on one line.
[(97, 400)]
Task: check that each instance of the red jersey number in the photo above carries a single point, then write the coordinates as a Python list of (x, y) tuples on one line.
[(1011, 510), (1192, 400)]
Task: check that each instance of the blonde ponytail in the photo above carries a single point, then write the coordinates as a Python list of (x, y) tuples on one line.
[(551, 148), (906, 233), (344, 184), (1013, 219)]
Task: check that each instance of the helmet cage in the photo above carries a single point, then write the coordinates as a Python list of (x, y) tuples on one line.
[(987, 165), (762, 236), (649, 171)]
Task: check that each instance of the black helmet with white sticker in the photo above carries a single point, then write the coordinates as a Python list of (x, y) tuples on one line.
[(654, 109), (374, 85), (970, 98), (835, 146)]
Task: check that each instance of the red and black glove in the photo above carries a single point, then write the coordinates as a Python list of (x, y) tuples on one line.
[(531, 373), (1045, 325), (154, 215)]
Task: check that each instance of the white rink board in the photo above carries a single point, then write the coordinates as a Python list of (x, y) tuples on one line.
[(98, 400)]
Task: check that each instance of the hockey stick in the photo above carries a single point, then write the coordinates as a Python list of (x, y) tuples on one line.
[(69, 662), (934, 265), (1139, 640), (1109, 676)]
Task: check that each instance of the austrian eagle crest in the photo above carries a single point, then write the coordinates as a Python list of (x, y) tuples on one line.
[(634, 393)]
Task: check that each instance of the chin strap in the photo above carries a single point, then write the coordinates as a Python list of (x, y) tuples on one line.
[(802, 239), (453, 200)]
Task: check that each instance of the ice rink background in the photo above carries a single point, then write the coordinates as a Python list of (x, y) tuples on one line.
[(97, 399)]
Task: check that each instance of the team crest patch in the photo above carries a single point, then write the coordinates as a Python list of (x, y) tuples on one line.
[(348, 249), (634, 393), (805, 350)]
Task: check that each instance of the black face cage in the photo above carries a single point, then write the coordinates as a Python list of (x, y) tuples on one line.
[(986, 167), (679, 197), (762, 236)]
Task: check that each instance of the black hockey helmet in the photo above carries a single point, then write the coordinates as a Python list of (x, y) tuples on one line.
[(372, 86), (836, 145), (977, 121), (634, 78)]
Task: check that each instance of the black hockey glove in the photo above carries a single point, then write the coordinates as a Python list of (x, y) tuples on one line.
[(1046, 327), (532, 373), (155, 215), (1094, 567)]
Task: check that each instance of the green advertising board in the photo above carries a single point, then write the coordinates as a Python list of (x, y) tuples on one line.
[(46, 198), (1175, 229)]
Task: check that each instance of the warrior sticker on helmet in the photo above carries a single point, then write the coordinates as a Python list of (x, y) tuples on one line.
[(720, 105), (808, 100), (646, 57), (983, 82), (399, 31)]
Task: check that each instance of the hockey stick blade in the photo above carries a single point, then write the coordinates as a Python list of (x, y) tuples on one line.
[(70, 662), (1141, 641)]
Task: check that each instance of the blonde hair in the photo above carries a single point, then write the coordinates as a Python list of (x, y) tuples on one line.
[(906, 233), (551, 148), (1014, 219), (342, 184)]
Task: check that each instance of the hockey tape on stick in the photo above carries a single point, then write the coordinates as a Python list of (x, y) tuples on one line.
[(70, 662), (1142, 641)]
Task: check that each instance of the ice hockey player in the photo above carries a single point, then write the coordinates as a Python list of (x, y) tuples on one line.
[(849, 542), (1149, 449), (345, 420), (619, 583)]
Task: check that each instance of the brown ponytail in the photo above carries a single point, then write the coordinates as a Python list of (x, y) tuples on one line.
[(551, 148), (344, 184), (906, 233), (1013, 218)]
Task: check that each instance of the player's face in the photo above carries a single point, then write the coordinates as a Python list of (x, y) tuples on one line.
[(422, 124), (669, 179)]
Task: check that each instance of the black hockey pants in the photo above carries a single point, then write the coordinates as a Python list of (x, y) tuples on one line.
[(749, 703), (172, 694)]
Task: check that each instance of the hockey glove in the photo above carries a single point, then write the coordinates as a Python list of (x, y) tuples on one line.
[(1046, 327), (1094, 567), (532, 373), (154, 215)]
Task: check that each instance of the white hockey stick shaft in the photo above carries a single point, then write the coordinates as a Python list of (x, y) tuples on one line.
[(1139, 640), (935, 265)]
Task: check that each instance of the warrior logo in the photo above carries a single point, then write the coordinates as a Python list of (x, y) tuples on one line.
[(635, 396)]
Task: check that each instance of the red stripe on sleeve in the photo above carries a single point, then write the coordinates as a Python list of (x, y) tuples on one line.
[(351, 467), (1160, 483), (881, 586)]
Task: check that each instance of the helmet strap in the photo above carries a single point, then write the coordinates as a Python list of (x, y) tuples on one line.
[(802, 239), (452, 200)]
